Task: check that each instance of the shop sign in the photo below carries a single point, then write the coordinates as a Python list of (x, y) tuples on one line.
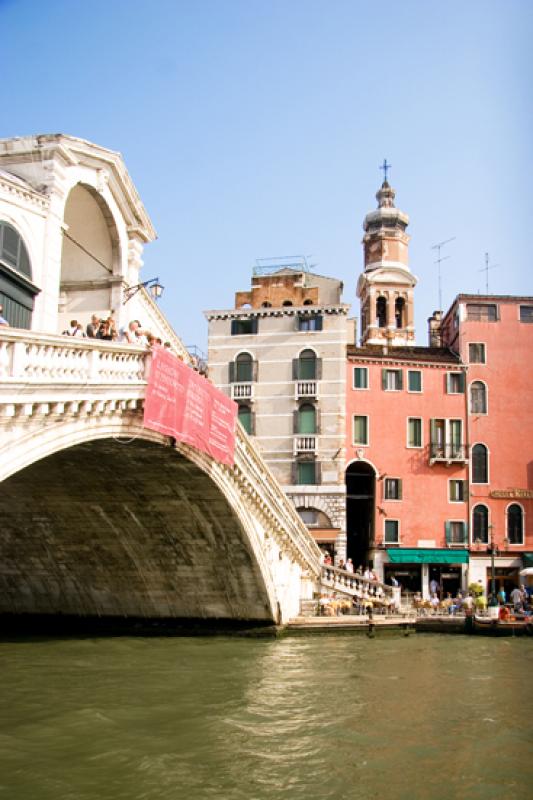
[(512, 494)]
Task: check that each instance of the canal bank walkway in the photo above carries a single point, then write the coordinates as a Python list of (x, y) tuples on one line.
[(407, 622)]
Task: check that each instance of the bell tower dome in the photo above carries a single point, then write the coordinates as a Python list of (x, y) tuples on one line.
[(386, 287)]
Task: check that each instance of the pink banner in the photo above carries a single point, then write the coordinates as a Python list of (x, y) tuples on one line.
[(181, 403)]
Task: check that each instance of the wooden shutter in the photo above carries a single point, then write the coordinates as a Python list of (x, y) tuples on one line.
[(318, 369), (318, 416), (462, 382), (318, 323), (234, 327), (448, 532), (231, 370), (295, 369), (400, 379), (318, 472), (383, 378), (253, 325), (255, 370), (296, 421), (399, 489)]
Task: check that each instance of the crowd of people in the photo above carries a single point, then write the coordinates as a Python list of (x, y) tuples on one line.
[(105, 328), (520, 602)]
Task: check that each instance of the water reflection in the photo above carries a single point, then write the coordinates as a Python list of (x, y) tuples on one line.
[(318, 717)]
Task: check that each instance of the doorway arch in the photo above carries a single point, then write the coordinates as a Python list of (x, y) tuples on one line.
[(360, 503)]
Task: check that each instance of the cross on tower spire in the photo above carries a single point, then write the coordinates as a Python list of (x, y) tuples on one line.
[(385, 167)]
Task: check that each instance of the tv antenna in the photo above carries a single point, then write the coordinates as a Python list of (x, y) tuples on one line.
[(440, 258), (486, 271)]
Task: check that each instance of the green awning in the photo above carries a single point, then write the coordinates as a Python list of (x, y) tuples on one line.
[(433, 556), (528, 559)]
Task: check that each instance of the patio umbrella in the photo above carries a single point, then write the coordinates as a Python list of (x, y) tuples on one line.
[(527, 571)]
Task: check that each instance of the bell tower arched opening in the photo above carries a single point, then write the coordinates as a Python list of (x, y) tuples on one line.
[(360, 495)]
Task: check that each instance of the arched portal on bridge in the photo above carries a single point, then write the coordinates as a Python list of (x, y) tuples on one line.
[(126, 528), (360, 496), (90, 257)]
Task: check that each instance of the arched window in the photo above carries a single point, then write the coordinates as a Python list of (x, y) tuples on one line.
[(399, 311), (307, 365), (478, 398), (308, 302), (245, 418), (515, 524), (307, 419), (16, 288), (314, 518), (266, 304), (243, 368), (381, 312), (480, 525), (480, 466), (287, 303)]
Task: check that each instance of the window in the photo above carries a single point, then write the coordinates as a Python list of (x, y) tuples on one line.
[(13, 251), (414, 380), (480, 525), (360, 430), (309, 322), (241, 327), (455, 382), (306, 419), (314, 518), (381, 312), (476, 353), (306, 366), (478, 398), (458, 490), (526, 313), (446, 439), (455, 532), (17, 292), (392, 531), (306, 472), (243, 369), (399, 312), (246, 418), (482, 312), (480, 467), (393, 489), (414, 432), (360, 378), (392, 380), (515, 524)]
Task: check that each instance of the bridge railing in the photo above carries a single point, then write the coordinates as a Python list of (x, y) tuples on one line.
[(357, 586)]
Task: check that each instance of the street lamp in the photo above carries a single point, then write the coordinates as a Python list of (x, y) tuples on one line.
[(154, 287)]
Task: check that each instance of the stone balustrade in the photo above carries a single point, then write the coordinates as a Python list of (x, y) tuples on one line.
[(357, 586)]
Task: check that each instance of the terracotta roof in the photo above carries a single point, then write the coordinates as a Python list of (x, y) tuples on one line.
[(434, 354)]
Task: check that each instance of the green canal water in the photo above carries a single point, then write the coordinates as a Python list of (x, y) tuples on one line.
[(233, 718)]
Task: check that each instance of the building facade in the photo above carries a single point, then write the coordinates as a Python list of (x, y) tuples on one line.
[(280, 354), (439, 440)]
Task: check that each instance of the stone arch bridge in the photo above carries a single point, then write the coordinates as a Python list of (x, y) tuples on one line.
[(102, 517)]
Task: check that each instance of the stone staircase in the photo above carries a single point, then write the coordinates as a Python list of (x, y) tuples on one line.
[(349, 585)]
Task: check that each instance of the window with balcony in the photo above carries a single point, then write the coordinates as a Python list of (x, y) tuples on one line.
[(414, 432), (476, 353), (478, 398), (458, 491), (480, 524), (393, 489), (526, 313), (392, 380), (360, 430), (243, 327), (392, 531), (309, 322), (242, 369), (455, 382), (482, 312), (414, 380), (306, 419), (360, 378), (446, 440), (305, 367), (515, 524), (480, 464), (456, 532)]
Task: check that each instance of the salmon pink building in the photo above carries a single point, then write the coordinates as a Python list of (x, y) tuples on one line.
[(439, 442)]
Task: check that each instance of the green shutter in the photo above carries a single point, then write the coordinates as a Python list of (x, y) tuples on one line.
[(400, 379), (383, 378), (231, 366), (448, 532)]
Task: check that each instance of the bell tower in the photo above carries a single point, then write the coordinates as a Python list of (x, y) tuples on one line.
[(386, 287)]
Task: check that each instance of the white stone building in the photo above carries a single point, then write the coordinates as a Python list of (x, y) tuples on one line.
[(281, 354)]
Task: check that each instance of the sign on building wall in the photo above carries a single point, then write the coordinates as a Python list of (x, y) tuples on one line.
[(181, 403)]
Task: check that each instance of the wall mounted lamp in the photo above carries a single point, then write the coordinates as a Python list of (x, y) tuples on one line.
[(153, 286)]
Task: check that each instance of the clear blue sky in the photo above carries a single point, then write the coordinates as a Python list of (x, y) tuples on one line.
[(256, 129)]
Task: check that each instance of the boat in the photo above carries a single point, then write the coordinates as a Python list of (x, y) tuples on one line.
[(512, 626)]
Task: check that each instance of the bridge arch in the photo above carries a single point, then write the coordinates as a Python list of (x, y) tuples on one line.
[(84, 534)]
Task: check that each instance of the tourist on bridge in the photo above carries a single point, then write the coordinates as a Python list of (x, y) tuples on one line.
[(75, 329), (92, 328), (3, 320), (349, 565)]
